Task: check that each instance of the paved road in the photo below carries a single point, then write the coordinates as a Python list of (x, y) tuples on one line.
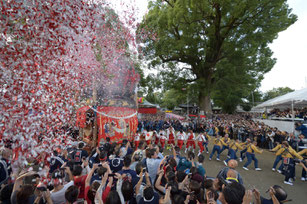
[(262, 180)]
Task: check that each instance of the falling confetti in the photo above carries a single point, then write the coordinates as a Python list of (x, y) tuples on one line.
[(52, 54)]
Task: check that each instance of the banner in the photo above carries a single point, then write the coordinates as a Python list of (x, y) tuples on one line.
[(118, 123), (148, 110)]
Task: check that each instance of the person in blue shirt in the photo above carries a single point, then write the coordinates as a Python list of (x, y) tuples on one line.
[(126, 168), (301, 127), (116, 164), (80, 153), (199, 165), (56, 161), (5, 166)]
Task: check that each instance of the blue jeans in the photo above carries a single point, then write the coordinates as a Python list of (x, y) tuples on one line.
[(250, 158), (223, 148), (217, 149), (242, 154), (232, 155), (206, 145), (271, 145), (303, 173), (277, 160), (239, 136)]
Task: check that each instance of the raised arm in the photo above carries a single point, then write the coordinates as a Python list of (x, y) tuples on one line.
[(67, 170), (89, 176), (158, 182), (138, 185), (19, 180)]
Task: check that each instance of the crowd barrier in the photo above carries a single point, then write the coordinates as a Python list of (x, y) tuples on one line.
[(282, 125)]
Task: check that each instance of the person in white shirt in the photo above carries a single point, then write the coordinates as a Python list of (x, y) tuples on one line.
[(58, 193), (156, 137), (201, 139), (190, 141), (181, 137), (137, 139), (171, 135), (162, 138), (148, 137)]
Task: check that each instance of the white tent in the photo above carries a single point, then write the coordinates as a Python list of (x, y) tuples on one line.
[(297, 99)]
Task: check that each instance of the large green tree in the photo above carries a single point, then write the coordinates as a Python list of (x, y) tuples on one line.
[(221, 44), (276, 92)]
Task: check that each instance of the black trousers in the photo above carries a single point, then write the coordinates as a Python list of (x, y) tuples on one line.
[(289, 169)]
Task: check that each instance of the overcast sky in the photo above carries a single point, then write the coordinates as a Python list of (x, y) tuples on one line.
[(290, 49)]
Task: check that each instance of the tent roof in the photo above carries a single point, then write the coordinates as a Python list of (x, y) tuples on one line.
[(299, 99), (147, 104)]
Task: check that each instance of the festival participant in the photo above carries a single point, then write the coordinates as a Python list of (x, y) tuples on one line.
[(206, 142), (277, 159), (226, 140), (250, 154), (158, 136), (58, 193), (243, 152), (218, 143), (5, 165), (155, 138), (171, 135), (303, 153), (149, 136), (137, 139), (162, 138), (233, 147), (200, 141), (190, 141), (56, 161), (180, 138), (80, 153), (288, 154)]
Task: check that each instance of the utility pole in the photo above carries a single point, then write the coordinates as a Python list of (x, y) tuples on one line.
[(185, 89), (187, 103), (253, 99)]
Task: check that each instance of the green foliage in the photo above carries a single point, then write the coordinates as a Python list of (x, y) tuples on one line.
[(276, 92), (219, 45)]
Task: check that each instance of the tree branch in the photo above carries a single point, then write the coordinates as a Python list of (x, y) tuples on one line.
[(169, 3)]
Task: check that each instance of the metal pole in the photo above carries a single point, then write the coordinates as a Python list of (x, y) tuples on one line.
[(187, 103), (293, 115), (253, 99)]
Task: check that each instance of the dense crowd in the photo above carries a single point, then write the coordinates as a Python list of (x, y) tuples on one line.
[(287, 113), (159, 166)]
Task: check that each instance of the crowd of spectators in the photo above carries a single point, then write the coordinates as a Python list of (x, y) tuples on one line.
[(287, 113), (118, 173)]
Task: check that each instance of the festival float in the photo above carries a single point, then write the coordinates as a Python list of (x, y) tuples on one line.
[(111, 111)]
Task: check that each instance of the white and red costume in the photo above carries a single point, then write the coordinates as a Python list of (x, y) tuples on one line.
[(148, 136), (171, 135), (200, 141), (162, 138), (181, 138), (191, 140), (137, 139), (156, 137)]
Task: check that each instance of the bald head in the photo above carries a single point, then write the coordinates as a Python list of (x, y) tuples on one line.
[(232, 163), (232, 173)]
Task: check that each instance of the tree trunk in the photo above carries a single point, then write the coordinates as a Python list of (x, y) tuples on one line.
[(204, 98), (205, 101)]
